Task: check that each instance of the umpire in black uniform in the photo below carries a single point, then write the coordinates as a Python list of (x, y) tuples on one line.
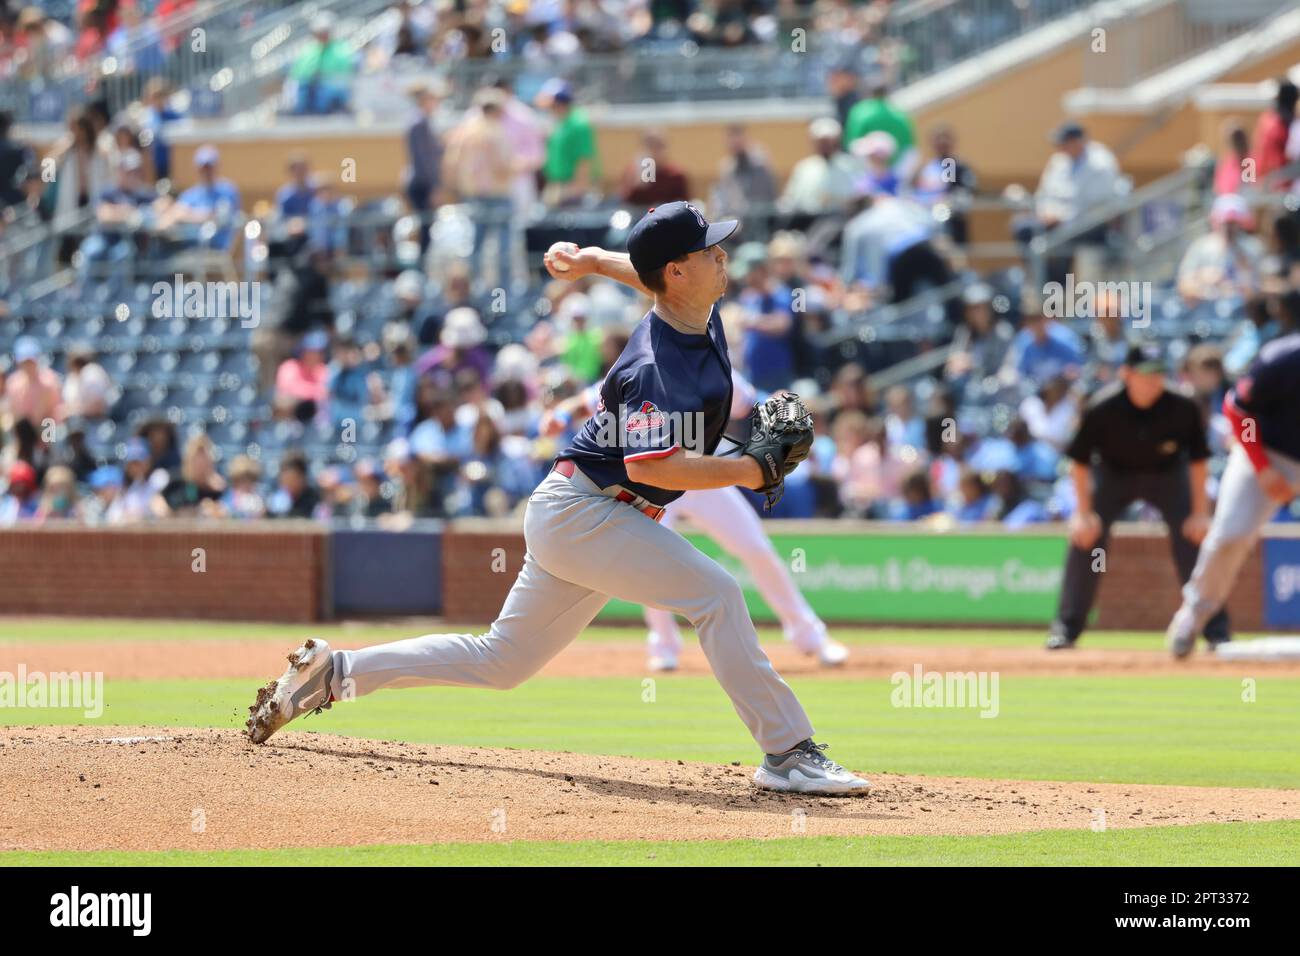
[(1138, 440)]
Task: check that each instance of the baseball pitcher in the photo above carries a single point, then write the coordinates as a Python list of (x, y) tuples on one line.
[(592, 526), (726, 517)]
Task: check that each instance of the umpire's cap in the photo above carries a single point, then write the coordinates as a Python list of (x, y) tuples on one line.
[(671, 231), (1145, 357)]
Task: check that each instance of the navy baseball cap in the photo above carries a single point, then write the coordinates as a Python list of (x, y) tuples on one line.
[(671, 231)]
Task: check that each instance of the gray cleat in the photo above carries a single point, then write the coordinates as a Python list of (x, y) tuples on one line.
[(303, 688), (1181, 636), (806, 769)]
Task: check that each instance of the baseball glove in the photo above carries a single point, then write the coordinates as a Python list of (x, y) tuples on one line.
[(781, 435)]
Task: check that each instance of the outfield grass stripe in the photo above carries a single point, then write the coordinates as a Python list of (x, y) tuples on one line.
[(1185, 730), (66, 630), (1227, 844)]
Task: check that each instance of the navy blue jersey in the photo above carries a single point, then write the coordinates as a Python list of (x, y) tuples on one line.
[(1270, 392), (668, 390)]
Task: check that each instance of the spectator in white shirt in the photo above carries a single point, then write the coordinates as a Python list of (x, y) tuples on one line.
[(825, 181), (87, 386), (1224, 262), (140, 500), (1081, 176), (1051, 413)]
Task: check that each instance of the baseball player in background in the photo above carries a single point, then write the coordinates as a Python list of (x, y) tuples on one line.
[(1263, 474), (726, 517), (592, 526), (1137, 440)]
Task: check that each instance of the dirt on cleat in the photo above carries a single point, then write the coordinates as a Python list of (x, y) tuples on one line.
[(263, 695), (295, 657)]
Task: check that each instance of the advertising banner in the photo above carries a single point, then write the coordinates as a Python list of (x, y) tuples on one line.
[(1282, 582), (958, 578)]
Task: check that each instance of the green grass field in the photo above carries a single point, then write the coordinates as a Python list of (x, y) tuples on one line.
[(1118, 729), (57, 630), (1222, 844), (1189, 730)]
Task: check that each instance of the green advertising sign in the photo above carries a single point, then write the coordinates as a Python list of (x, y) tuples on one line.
[(967, 578)]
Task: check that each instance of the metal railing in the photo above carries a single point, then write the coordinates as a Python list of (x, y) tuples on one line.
[(27, 254), (911, 369), (1145, 219), (1169, 33), (250, 45), (934, 34), (258, 78), (928, 35), (1155, 257), (170, 49)]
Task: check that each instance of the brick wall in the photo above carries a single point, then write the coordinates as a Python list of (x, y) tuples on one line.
[(1139, 590), (278, 572), (476, 576), (271, 572)]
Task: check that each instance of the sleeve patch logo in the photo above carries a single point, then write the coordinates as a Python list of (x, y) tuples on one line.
[(646, 419)]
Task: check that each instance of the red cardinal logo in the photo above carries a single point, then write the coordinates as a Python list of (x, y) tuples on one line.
[(647, 418)]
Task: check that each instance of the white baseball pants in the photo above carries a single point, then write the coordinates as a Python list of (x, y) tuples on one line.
[(726, 517), (1239, 515), (584, 547)]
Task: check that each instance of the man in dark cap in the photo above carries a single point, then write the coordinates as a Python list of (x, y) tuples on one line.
[(1080, 177), (592, 527), (1138, 440)]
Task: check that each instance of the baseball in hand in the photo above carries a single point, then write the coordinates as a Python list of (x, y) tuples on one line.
[(559, 265)]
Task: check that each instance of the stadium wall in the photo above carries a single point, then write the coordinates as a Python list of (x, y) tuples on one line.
[(300, 572), (386, 572), (1139, 590), (266, 572)]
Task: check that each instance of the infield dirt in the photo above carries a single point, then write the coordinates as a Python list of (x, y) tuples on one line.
[(150, 788), (262, 659)]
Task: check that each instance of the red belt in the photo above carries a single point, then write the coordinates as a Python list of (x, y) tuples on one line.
[(566, 467)]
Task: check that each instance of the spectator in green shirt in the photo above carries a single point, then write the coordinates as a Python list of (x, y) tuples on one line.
[(580, 345), (323, 71), (571, 168), (877, 114)]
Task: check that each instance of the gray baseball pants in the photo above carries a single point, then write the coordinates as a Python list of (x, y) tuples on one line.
[(1239, 515), (584, 547)]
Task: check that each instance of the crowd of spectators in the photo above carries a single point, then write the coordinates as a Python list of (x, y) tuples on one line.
[(554, 32), (145, 37), (858, 222), (51, 40)]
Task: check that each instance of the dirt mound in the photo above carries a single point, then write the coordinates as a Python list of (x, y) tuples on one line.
[(261, 659), (149, 788)]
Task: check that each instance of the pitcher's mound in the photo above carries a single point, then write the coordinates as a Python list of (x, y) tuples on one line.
[(151, 788)]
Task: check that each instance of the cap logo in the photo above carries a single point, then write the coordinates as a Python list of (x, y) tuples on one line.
[(698, 216)]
